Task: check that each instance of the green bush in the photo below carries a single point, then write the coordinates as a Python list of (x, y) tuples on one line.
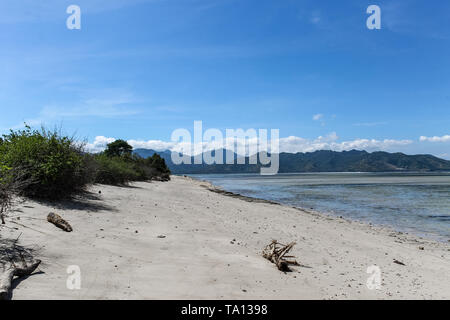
[(117, 165), (158, 163), (125, 169), (46, 164), (55, 164), (159, 169), (115, 170)]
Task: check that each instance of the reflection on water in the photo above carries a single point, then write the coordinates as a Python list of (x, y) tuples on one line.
[(411, 202)]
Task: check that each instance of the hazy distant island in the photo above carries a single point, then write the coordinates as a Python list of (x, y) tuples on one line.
[(318, 161)]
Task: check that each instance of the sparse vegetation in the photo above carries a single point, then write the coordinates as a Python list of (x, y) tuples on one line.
[(9, 187), (47, 164)]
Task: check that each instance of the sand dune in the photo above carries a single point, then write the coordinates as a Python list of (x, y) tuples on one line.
[(179, 240)]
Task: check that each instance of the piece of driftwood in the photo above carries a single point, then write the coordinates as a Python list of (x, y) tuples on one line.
[(277, 253), (59, 222), (399, 262), (11, 270)]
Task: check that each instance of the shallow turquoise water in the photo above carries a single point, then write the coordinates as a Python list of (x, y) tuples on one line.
[(418, 203)]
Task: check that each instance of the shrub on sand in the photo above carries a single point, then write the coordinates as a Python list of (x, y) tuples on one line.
[(117, 165), (55, 164), (46, 164), (115, 170)]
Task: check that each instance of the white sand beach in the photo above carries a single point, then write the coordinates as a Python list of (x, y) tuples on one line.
[(179, 240)]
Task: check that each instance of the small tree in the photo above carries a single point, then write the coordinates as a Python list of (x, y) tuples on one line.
[(157, 162), (118, 148)]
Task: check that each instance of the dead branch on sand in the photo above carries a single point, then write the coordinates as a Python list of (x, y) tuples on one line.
[(11, 185), (59, 222), (13, 263), (10, 270), (277, 253)]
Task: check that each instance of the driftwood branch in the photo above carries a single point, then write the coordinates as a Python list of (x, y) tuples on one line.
[(277, 253), (11, 270), (59, 222)]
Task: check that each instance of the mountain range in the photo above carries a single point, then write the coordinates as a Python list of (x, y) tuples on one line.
[(318, 161)]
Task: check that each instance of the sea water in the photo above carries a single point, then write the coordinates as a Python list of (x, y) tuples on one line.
[(417, 203)]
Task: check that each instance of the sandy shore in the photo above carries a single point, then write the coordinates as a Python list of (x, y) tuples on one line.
[(179, 240)]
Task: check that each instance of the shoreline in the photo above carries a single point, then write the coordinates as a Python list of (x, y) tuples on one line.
[(220, 190), (180, 240)]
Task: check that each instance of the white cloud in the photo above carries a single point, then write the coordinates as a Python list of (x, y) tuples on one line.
[(297, 144), (99, 144), (152, 144), (317, 117), (290, 144), (445, 138)]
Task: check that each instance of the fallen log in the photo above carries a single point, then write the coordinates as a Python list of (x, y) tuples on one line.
[(59, 222), (277, 253), (11, 270)]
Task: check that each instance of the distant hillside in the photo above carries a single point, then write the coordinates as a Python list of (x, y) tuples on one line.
[(319, 161)]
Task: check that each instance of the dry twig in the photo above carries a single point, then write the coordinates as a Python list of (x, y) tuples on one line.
[(277, 253)]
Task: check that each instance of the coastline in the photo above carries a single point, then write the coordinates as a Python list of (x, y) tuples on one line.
[(377, 227), (404, 228), (179, 240)]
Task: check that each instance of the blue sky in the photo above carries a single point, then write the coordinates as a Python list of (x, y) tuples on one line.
[(140, 69)]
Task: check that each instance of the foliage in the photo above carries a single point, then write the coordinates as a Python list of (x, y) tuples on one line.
[(127, 168), (117, 165), (11, 184), (54, 163), (115, 170), (118, 148), (47, 164), (158, 163)]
